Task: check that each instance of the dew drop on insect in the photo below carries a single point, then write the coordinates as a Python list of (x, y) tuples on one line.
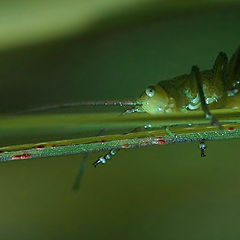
[(102, 160), (113, 152), (147, 126), (202, 145)]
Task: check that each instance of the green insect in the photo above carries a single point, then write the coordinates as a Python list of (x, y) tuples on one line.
[(209, 89), (213, 88)]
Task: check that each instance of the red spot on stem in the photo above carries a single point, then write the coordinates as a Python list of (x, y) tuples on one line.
[(145, 143), (126, 146), (231, 128), (99, 141), (23, 156), (40, 147), (160, 141)]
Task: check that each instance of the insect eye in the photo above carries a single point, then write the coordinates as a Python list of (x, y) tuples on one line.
[(150, 92)]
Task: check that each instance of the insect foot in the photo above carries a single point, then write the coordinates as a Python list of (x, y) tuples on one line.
[(105, 158), (202, 146)]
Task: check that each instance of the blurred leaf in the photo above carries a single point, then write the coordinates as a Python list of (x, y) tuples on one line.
[(29, 21)]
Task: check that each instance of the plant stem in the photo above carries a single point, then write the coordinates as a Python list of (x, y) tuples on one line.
[(124, 141)]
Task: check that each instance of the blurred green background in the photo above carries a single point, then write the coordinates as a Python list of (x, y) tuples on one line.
[(65, 51)]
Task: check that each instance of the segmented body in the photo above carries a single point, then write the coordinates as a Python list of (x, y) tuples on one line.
[(186, 95)]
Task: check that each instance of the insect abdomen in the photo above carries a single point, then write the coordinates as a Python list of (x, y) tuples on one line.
[(186, 95)]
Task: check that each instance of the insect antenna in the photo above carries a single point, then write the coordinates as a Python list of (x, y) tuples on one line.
[(119, 103), (81, 171)]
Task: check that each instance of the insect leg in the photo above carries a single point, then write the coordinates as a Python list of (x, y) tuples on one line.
[(202, 146), (233, 74), (81, 171), (82, 167), (169, 132), (113, 152), (105, 158), (196, 75), (219, 71)]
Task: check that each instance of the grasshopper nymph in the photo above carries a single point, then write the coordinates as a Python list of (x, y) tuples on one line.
[(213, 88)]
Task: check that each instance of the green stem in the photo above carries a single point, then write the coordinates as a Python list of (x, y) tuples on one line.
[(130, 140)]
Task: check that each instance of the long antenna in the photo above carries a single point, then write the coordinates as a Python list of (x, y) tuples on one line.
[(79, 104)]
